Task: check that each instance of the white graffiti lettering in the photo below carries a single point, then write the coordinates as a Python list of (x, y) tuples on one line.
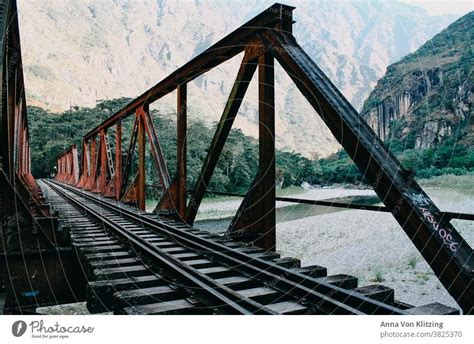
[(442, 232)]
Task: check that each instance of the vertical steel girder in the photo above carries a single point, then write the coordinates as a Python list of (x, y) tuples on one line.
[(129, 160), (256, 215), (141, 162), (174, 197), (155, 148), (92, 156), (118, 160), (143, 126), (85, 167), (114, 167), (181, 128), (101, 165)]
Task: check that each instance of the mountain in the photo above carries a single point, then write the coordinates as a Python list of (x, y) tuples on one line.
[(78, 52), (427, 96)]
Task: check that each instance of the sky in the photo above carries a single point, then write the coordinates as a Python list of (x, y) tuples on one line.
[(437, 7)]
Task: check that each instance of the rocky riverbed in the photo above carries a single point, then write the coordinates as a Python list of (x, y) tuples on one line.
[(369, 245)]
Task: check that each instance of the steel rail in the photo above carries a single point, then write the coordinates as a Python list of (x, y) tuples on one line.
[(223, 298), (325, 297)]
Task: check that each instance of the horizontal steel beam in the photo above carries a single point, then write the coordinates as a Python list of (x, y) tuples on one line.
[(325, 203), (67, 150), (229, 46)]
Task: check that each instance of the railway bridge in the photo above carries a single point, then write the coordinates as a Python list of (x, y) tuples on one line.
[(86, 235)]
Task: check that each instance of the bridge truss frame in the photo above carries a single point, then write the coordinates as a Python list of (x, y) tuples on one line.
[(267, 37)]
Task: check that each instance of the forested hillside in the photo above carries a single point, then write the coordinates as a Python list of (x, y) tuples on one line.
[(51, 133)]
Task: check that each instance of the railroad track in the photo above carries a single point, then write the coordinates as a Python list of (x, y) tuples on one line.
[(142, 263)]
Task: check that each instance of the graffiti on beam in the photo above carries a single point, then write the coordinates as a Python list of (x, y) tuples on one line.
[(425, 203)]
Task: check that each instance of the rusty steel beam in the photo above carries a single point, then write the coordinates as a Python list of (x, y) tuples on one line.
[(101, 181), (141, 194), (354, 206), (130, 155), (155, 147), (114, 167), (143, 127), (74, 178), (181, 168), (85, 165), (444, 249), (91, 178), (25, 219), (278, 16), (62, 167), (118, 160), (256, 215), (241, 84), (68, 166), (173, 198)]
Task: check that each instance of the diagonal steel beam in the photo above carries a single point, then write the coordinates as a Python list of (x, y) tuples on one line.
[(244, 76), (155, 147), (445, 250)]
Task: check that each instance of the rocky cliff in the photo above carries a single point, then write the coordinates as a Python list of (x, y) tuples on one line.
[(78, 52), (427, 96)]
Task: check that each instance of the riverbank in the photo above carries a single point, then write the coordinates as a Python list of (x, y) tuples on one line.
[(221, 208), (373, 247), (369, 245)]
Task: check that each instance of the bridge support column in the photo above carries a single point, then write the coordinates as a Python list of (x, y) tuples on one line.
[(141, 163), (75, 166), (85, 165), (118, 160), (181, 128), (93, 165), (174, 197), (256, 217), (101, 183)]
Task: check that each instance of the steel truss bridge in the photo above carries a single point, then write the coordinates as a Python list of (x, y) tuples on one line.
[(85, 235)]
